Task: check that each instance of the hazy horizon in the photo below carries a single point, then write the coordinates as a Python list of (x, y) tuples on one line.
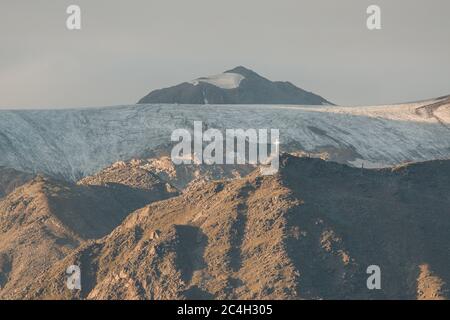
[(127, 49)]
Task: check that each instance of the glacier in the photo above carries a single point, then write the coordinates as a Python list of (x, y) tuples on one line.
[(73, 143)]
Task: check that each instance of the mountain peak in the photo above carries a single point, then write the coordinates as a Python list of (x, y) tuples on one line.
[(243, 71), (239, 85)]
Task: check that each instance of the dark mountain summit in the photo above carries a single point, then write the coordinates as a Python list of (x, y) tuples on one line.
[(237, 86)]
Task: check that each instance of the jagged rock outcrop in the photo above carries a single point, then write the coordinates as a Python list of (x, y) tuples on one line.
[(162, 175)]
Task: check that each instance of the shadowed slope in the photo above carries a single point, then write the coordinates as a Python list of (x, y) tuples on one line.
[(11, 179)]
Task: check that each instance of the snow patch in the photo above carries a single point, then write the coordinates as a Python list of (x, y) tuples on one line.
[(226, 80)]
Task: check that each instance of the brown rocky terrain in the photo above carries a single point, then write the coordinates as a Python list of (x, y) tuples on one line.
[(309, 232), (46, 219)]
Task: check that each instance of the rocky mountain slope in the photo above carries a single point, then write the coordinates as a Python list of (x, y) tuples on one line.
[(237, 86), (11, 179), (309, 232), (45, 219), (75, 143)]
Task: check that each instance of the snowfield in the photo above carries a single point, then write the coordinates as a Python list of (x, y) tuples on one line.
[(78, 142), (226, 80)]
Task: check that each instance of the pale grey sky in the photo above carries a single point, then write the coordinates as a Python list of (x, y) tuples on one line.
[(127, 48)]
